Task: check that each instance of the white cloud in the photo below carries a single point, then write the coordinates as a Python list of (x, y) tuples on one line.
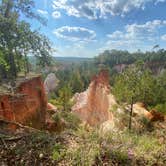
[(79, 34), (93, 9), (163, 37), (158, 1), (135, 36), (43, 12), (56, 14)]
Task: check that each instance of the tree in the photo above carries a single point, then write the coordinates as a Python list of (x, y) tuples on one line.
[(76, 82), (128, 87), (160, 92), (17, 40), (64, 98), (147, 88)]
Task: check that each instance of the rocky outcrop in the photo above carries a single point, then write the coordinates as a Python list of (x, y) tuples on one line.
[(93, 105), (140, 110), (156, 116), (27, 105), (50, 83)]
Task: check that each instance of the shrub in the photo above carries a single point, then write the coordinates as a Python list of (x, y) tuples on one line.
[(161, 108), (58, 152), (71, 120)]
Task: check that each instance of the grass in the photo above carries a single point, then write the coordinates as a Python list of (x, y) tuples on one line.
[(126, 146), (86, 147), (81, 145), (82, 150), (122, 147)]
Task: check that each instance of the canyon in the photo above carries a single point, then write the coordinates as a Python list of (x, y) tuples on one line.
[(28, 105)]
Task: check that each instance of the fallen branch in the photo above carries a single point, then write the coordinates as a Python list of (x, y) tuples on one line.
[(18, 124), (15, 138)]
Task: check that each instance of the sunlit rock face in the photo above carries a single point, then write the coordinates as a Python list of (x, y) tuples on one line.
[(93, 105), (50, 83), (27, 105), (140, 110)]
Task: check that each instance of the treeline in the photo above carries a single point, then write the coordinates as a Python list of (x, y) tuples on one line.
[(111, 58), (78, 76), (17, 40)]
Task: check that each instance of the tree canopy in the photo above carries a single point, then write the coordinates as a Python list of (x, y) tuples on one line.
[(17, 40)]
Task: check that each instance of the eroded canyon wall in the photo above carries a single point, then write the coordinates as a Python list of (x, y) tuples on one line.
[(27, 105), (93, 105)]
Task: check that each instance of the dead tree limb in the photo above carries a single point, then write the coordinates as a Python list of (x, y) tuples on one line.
[(18, 125)]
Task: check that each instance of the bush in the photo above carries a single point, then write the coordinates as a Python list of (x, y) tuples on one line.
[(161, 108), (71, 120)]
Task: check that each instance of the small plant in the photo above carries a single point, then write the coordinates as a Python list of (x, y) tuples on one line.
[(71, 120), (114, 108), (58, 152)]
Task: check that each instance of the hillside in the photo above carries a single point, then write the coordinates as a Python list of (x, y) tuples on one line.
[(104, 104)]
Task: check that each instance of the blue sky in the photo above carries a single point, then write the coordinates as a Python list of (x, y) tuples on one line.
[(84, 28)]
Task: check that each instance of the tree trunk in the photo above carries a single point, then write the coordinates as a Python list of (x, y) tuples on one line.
[(131, 114), (26, 64), (13, 72), (3, 73)]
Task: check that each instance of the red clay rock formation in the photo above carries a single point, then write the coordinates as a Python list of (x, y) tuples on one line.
[(27, 106), (51, 108), (140, 110), (92, 106), (157, 116)]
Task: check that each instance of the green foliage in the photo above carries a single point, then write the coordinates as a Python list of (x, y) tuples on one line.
[(127, 84), (71, 120), (128, 147), (147, 125), (161, 88), (120, 157), (3, 63), (135, 82), (58, 152), (76, 82), (78, 76), (111, 58), (147, 88), (161, 108), (64, 97), (86, 151), (117, 148), (18, 40)]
